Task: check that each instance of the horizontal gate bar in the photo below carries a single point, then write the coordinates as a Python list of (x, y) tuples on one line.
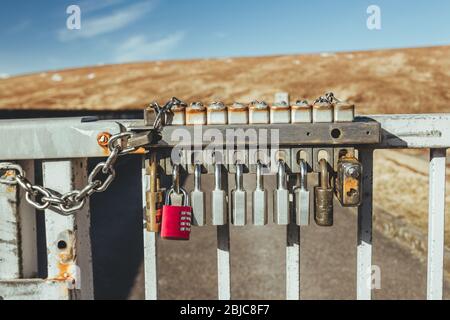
[(412, 130), (57, 138), (62, 138)]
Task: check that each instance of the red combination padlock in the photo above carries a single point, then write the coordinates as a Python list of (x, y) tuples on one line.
[(176, 220)]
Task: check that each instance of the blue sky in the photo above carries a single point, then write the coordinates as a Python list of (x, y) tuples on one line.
[(34, 37)]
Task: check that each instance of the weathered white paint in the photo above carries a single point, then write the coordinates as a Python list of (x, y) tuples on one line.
[(35, 289), (364, 246), (74, 230), (412, 130), (18, 251), (436, 224), (10, 264)]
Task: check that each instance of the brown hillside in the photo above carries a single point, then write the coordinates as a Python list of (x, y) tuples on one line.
[(392, 81)]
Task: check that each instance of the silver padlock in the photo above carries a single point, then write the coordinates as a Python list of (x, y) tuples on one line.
[(239, 198), (281, 197), (259, 199), (301, 196), (218, 199), (198, 198)]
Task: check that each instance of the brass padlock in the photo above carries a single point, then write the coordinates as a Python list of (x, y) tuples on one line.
[(154, 198), (348, 181), (323, 197)]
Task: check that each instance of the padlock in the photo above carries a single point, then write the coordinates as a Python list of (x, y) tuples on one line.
[(301, 196), (348, 181), (218, 199), (216, 113), (238, 113), (177, 116), (198, 199), (281, 212), (176, 220), (322, 110), (301, 112), (323, 197), (280, 112), (154, 197), (239, 199), (258, 112), (196, 114), (259, 199)]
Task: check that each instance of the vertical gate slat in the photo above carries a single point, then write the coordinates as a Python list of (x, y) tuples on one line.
[(293, 260), (18, 251), (436, 224), (28, 233), (223, 262), (150, 246), (74, 260), (364, 246)]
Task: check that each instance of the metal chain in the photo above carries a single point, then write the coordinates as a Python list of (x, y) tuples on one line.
[(67, 204), (162, 111), (327, 98)]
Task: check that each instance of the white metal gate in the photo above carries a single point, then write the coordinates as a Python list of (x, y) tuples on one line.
[(65, 144)]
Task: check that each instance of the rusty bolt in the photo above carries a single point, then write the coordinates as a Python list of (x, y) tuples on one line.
[(103, 139)]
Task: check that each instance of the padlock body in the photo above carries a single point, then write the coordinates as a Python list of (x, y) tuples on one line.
[(348, 186), (259, 207), (239, 201), (281, 207), (323, 213), (153, 211), (301, 197), (219, 208), (176, 222), (198, 208)]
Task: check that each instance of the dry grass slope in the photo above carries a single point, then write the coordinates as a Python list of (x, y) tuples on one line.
[(393, 81)]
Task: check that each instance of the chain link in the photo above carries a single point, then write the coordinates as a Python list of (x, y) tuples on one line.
[(67, 204), (162, 111)]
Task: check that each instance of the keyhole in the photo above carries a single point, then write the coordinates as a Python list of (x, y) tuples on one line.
[(62, 245)]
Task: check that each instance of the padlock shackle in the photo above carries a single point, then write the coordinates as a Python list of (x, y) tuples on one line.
[(259, 176), (185, 196), (281, 176), (239, 176), (217, 176), (197, 176), (324, 179), (176, 178), (303, 174), (152, 172)]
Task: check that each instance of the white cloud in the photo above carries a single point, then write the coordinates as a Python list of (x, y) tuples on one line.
[(91, 27), (4, 76), (140, 48)]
